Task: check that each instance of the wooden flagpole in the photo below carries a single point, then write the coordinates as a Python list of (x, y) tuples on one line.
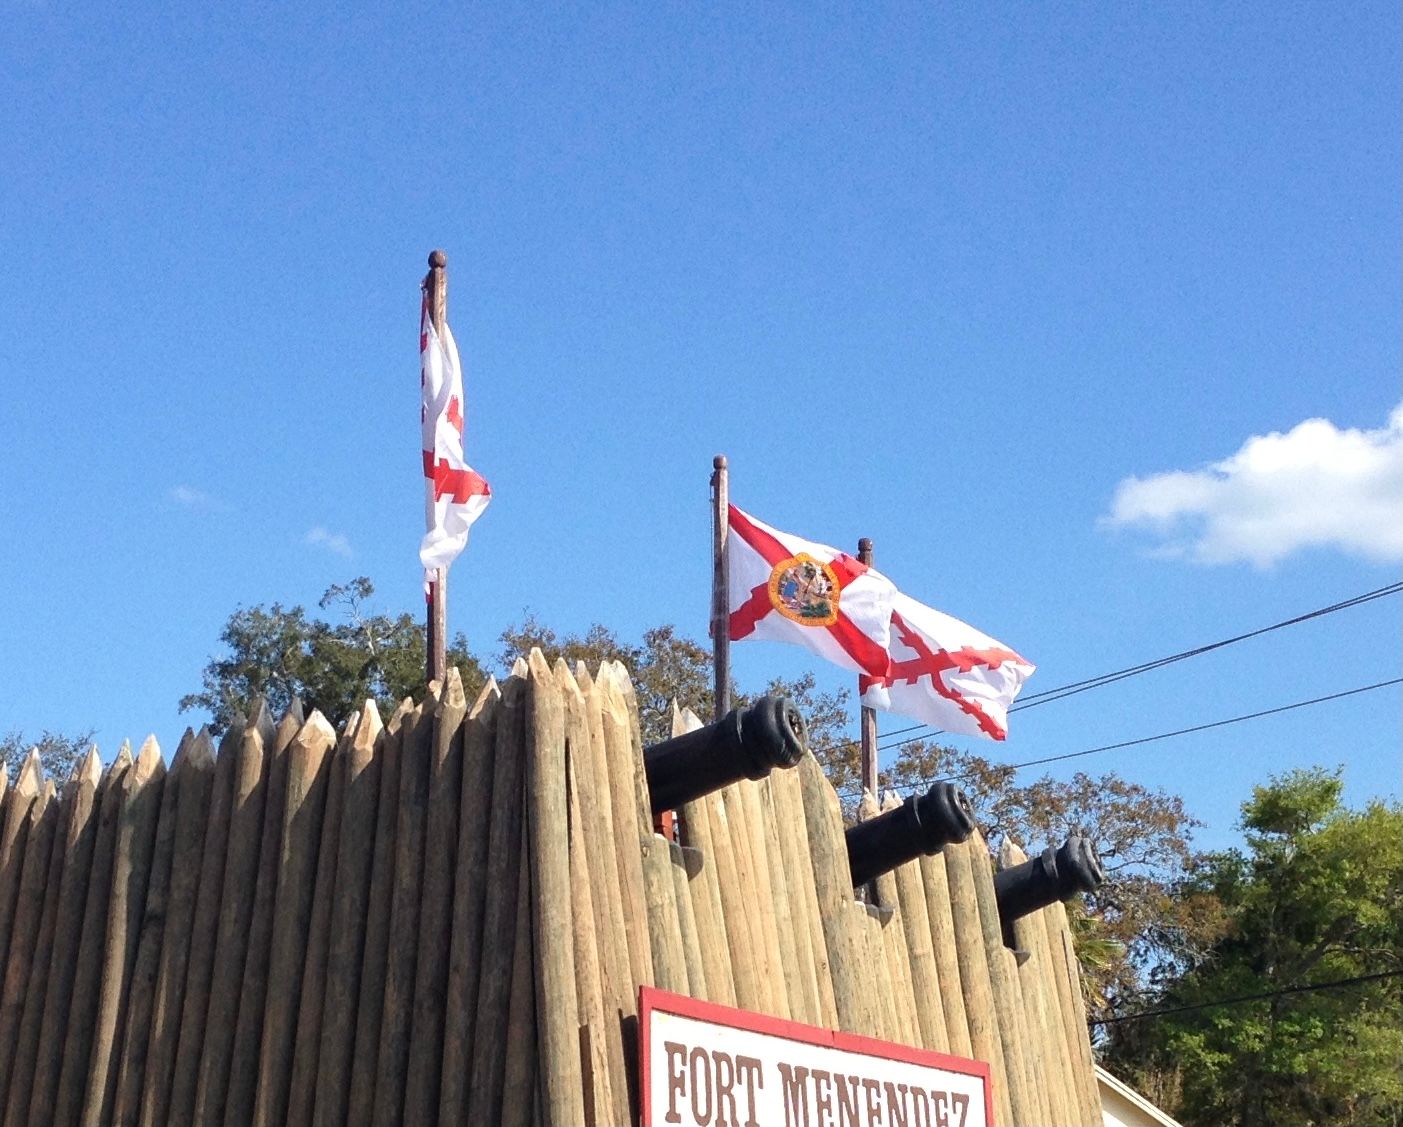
[(868, 715), (436, 293), (720, 584)]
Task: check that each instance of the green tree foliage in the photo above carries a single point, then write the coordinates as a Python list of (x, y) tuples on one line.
[(58, 752), (282, 652), (1316, 897), (1141, 920)]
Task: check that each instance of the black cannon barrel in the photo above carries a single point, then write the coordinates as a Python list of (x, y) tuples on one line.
[(1056, 874), (746, 743), (921, 824)]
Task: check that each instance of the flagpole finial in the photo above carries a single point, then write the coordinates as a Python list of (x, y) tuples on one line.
[(864, 547), (437, 259), (718, 462)]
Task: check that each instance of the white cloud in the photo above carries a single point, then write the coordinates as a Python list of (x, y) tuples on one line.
[(1316, 486), (335, 542), (191, 497)]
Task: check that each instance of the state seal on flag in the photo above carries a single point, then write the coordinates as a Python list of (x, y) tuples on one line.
[(805, 590)]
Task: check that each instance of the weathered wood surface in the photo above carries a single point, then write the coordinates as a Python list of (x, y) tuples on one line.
[(447, 919)]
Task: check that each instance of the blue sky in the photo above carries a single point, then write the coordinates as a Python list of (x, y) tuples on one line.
[(945, 276)]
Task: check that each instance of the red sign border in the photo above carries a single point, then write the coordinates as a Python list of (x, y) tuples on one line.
[(650, 998)]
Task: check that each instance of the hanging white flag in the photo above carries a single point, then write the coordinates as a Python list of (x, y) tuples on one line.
[(787, 589), (454, 494), (946, 673)]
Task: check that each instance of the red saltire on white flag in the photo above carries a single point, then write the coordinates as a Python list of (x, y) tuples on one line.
[(454, 493), (946, 673), (787, 589)]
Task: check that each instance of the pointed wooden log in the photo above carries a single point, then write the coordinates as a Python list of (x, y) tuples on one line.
[(242, 1088), (975, 980), (600, 1048), (683, 860), (135, 1034), (469, 899), (436, 912), (309, 763), (890, 939), (552, 934), (501, 938), (77, 1044), (37, 1104), (1067, 972), (775, 952), (589, 765), (252, 767), (795, 954), (397, 1017), (1008, 999), (715, 829), (195, 772), (1049, 1060), (833, 884), (131, 869), (630, 823), (925, 978), (14, 825), (669, 961), (175, 1102), (14, 1109), (789, 819), (22, 973), (935, 884), (520, 1095), (371, 1004), (706, 891), (355, 850), (311, 1005)]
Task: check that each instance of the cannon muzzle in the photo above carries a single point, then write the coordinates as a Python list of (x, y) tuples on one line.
[(746, 743), (1056, 874), (921, 824)]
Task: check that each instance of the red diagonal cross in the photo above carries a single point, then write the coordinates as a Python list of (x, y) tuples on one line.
[(743, 620), (461, 484), (932, 663), (454, 414)]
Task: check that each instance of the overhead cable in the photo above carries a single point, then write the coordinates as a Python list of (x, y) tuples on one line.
[(1302, 989)]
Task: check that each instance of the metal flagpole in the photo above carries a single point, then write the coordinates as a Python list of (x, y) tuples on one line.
[(720, 584), (868, 715), (436, 293)]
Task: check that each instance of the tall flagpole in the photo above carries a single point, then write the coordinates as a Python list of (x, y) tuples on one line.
[(720, 584), (436, 292), (868, 715)]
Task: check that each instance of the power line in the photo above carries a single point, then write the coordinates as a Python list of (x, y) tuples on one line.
[(1302, 989), (1060, 692), (1165, 735)]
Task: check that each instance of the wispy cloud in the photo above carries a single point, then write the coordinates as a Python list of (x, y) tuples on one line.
[(192, 498), (1316, 486), (334, 542)]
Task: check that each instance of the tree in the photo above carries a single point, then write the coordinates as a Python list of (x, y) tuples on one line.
[(282, 652), (58, 752), (1316, 898), (1139, 921)]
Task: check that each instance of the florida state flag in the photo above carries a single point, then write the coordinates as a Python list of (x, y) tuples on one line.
[(454, 494), (946, 673), (787, 589)]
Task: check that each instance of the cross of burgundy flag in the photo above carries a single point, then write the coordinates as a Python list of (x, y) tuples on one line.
[(946, 673), (454, 494), (787, 589)]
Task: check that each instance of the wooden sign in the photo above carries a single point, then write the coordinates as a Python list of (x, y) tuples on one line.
[(705, 1065)]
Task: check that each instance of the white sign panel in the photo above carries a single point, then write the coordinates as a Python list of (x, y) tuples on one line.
[(705, 1065)]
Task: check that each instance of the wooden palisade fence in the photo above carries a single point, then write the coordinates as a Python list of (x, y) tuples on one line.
[(445, 918)]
